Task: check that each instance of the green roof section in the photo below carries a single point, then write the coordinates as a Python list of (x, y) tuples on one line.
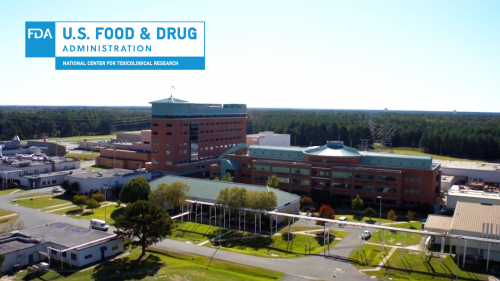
[(422, 162), (172, 107), (171, 99), (208, 190), (333, 149), (277, 152)]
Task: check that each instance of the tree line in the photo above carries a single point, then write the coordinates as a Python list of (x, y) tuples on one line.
[(30, 122), (472, 136)]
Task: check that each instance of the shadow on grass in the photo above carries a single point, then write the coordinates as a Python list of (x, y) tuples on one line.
[(87, 213), (64, 196), (320, 237), (116, 213), (126, 269), (73, 212)]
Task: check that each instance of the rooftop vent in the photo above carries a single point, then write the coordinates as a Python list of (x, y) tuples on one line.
[(335, 144), (487, 203)]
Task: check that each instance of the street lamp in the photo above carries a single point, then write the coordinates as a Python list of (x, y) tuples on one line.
[(105, 187), (380, 212)]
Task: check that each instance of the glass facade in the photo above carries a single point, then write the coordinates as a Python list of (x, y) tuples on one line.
[(341, 185), (281, 170), (300, 171), (261, 168), (363, 187), (364, 177), (341, 175), (386, 178)]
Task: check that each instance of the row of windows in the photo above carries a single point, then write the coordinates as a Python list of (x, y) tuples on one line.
[(221, 131), (261, 168), (419, 180), (412, 191), (341, 175), (201, 124), (300, 171), (322, 173)]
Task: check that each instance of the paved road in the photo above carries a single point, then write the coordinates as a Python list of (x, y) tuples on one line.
[(307, 268)]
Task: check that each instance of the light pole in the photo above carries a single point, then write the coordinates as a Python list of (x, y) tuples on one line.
[(380, 212), (105, 187)]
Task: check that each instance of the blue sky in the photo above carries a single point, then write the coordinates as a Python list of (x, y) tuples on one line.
[(405, 55)]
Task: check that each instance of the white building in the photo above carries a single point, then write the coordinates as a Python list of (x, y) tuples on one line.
[(46, 171), (458, 193), (477, 172), (470, 219), (269, 138), (113, 178), (74, 245)]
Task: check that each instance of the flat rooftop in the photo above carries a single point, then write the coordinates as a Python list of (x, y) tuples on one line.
[(101, 174), (64, 234), (12, 242), (468, 165), (455, 191)]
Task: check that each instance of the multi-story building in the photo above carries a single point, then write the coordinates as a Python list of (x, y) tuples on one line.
[(127, 155), (188, 137), (401, 180), (268, 138)]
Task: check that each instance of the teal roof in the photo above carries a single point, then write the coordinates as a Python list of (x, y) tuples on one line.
[(423, 162), (333, 149), (277, 152), (171, 99), (208, 190)]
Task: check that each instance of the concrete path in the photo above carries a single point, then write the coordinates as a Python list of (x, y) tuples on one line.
[(55, 206), (382, 262), (8, 216), (220, 236), (17, 190)]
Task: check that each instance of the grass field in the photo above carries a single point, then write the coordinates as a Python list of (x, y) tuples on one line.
[(5, 212), (418, 151), (368, 256), (195, 232), (412, 266), (10, 190), (76, 139), (97, 168), (112, 212), (279, 245), (160, 265), (84, 156), (41, 202), (392, 238)]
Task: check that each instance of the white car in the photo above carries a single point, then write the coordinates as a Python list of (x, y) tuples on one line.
[(57, 189), (366, 235)]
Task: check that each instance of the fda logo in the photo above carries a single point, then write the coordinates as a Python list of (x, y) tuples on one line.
[(37, 33), (40, 39)]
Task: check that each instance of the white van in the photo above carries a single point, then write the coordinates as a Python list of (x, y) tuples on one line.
[(99, 224), (342, 219)]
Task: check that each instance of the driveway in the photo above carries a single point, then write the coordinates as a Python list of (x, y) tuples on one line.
[(307, 268)]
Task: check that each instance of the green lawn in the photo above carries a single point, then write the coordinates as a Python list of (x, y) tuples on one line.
[(412, 266), (112, 212), (85, 156), (418, 151), (280, 246), (42, 202), (5, 212), (10, 190), (350, 217), (32, 195), (160, 265), (368, 256), (195, 232), (76, 139), (391, 238)]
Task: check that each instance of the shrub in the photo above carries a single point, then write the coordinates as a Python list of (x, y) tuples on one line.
[(312, 210)]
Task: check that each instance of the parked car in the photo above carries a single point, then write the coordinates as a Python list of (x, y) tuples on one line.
[(366, 235), (342, 219), (57, 189)]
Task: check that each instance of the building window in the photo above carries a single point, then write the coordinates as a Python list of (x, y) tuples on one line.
[(168, 143), (168, 133), (364, 177), (260, 178), (363, 187), (419, 191), (406, 190), (261, 168), (299, 181), (387, 190), (300, 171), (185, 151), (168, 125), (412, 180), (155, 161), (64, 254), (341, 175), (412, 191), (73, 257), (155, 124), (168, 152), (387, 178), (155, 143), (406, 179), (54, 252), (420, 180), (281, 170), (169, 163), (155, 151), (283, 180), (114, 248), (88, 256), (341, 185), (155, 133)]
